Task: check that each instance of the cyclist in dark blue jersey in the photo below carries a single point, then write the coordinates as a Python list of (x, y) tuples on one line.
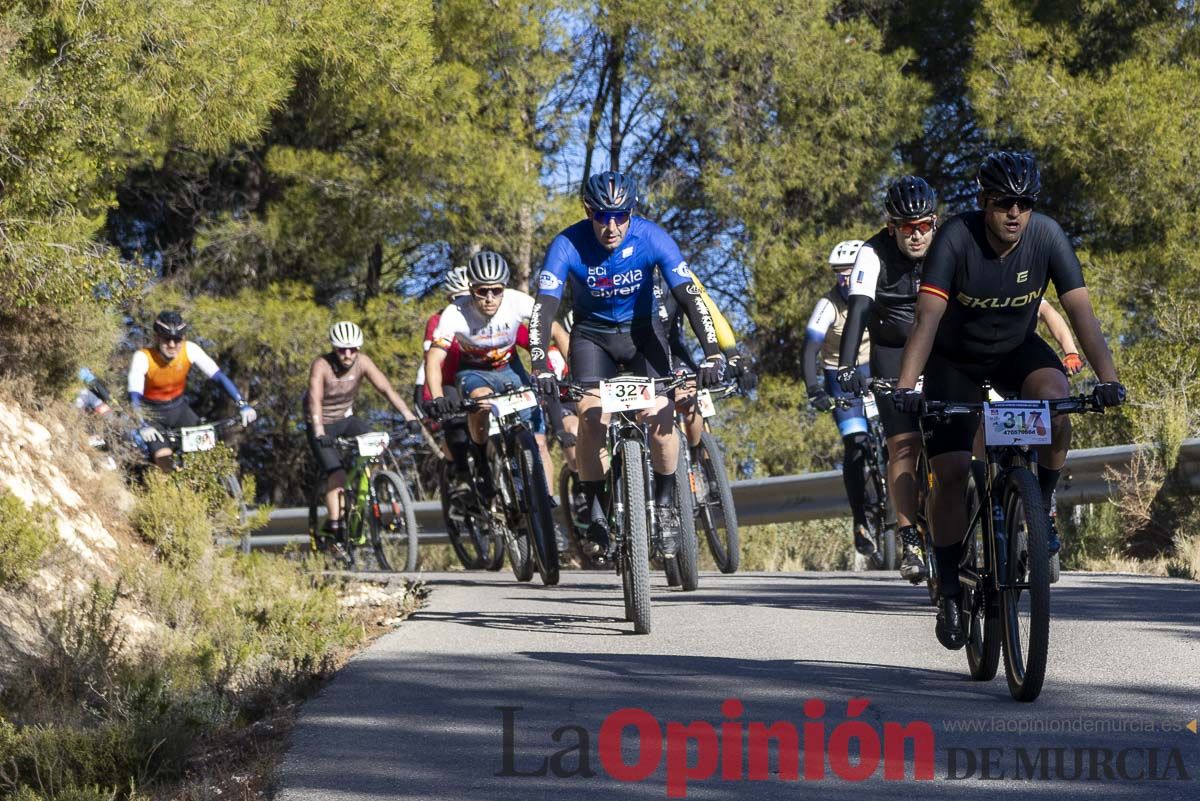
[(977, 312), (609, 260)]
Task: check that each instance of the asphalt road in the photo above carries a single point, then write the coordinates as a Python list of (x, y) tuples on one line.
[(419, 714)]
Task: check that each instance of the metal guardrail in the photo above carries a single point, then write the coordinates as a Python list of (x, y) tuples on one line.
[(786, 499)]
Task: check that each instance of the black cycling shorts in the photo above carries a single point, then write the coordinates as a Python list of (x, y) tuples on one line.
[(946, 380), (597, 355), (174, 414), (885, 366), (330, 459)]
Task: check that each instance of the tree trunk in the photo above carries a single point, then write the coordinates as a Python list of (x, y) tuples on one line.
[(616, 58), (374, 271)]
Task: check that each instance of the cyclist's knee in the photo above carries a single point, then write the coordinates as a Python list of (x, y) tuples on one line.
[(904, 448), (950, 471)]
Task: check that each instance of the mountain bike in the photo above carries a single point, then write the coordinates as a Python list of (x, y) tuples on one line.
[(523, 496), (629, 487), (418, 463), (202, 438), (572, 506), (377, 509), (877, 504), (1005, 570), (712, 494)]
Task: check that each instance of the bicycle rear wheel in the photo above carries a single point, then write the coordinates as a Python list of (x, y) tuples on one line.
[(979, 605), (1025, 609), (635, 552), (469, 543), (539, 518), (714, 503), (394, 523), (924, 491), (687, 551)]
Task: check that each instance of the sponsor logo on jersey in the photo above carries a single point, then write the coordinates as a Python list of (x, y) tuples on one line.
[(692, 289), (627, 252), (549, 282), (682, 270), (1022, 276), (859, 276), (997, 303)]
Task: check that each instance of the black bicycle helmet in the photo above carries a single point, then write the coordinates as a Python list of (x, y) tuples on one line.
[(487, 267), (170, 323), (610, 191), (910, 198), (1010, 174)]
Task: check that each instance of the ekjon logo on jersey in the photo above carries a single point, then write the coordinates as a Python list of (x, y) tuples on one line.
[(997, 303), (683, 270)]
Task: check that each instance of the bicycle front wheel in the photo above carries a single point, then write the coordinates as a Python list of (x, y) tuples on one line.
[(979, 604), (393, 523), (539, 518), (635, 535), (714, 503), (1025, 589)]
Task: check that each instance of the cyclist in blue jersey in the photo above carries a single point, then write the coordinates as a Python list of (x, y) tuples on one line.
[(610, 259)]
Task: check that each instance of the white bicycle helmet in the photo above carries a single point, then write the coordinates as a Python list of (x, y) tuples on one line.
[(345, 334), (455, 282), (844, 253), (487, 267)]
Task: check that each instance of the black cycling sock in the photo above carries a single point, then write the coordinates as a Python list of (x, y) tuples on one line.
[(853, 475), (458, 440), (1047, 480), (593, 491), (664, 489), (948, 557), (481, 463)]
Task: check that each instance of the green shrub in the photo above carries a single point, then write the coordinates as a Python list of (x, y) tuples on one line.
[(25, 536), (173, 517)]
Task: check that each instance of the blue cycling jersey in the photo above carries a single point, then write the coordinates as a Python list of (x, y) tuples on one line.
[(612, 287)]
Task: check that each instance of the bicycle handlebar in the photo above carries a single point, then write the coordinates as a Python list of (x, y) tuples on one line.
[(173, 434), (1075, 404)]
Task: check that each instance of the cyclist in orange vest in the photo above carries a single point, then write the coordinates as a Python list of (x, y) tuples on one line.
[(157, 380)]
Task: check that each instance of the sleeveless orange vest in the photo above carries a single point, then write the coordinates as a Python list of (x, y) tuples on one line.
[(166, 380)]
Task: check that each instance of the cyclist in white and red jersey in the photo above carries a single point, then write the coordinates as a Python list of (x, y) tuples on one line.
[(485, 325)]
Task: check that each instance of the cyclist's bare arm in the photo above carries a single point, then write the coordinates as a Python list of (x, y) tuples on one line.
[(560, 337), (434, 358), (1078, 305), (1057, 326), (930, 309), (316, 394), (380, 382)]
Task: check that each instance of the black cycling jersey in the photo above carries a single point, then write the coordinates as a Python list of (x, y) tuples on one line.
[(883, 299), (993, 301)]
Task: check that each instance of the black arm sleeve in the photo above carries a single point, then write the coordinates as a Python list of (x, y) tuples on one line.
[(697, 314), (852, 333), (812, 351), (544, 308)]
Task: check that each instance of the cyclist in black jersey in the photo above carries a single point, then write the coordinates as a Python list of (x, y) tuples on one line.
[(976, 319), (883, 297)]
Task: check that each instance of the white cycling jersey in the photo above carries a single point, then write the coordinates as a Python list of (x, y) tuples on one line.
[(486, 342)]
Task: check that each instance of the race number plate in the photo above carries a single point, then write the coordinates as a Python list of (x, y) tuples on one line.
[(626, 394), (1017, 422), (512, 404), (197, 438), (372, 444), (704, 403), (869, 406)]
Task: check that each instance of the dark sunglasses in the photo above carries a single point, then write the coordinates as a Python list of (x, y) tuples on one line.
[(909, 228), (346, 350), (1007, 202), (166, 340), (488, 291), (605, 217)]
